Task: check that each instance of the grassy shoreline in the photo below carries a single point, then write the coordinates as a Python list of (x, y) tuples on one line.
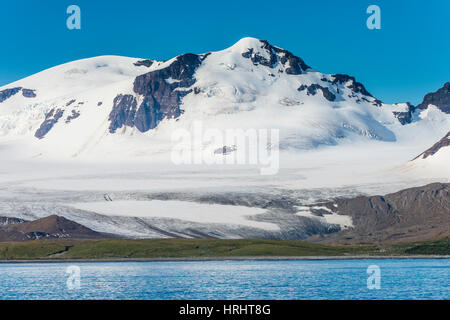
[(249, 258), (208, 249)]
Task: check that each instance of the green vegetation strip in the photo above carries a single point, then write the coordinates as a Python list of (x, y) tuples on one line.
[(193, 248)]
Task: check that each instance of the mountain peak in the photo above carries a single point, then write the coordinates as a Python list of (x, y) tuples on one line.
[(261, 52), (439, 98), (246, 43), (443, 143)]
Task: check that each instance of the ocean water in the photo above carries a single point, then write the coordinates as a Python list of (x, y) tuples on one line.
[(324, 279)]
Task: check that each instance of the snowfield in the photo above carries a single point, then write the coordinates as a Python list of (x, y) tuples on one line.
[(183, 210), (143, 200)]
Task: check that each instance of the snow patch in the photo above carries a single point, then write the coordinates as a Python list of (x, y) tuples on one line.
[(183, 210), (343, 221)]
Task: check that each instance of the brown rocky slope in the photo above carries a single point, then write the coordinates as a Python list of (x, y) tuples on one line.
[(415, 214), (51, 227)]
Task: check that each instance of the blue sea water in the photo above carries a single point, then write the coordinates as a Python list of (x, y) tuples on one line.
[(324, 279)]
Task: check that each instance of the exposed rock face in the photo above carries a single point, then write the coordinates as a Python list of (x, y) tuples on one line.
[(414, 214), (444, 142), (405, 117), (312, 90), (377, 103), (440, 98), (146, 63), (294, 65), (225, 150), (123, 112), (179, 74), (334, 89), (51, 119), (351, 83), (28, 93), (8, 220), (8, 93), (258, 59), (75, 114), (162, 91), (51, 227)]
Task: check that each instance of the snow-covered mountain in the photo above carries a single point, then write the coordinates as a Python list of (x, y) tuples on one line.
[(437, 149), (119, 106), (436, 158), (439, 98), (90, 140)]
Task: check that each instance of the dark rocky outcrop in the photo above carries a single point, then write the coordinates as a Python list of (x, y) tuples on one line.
[(151, 112), (70, 102), (405, 117), (10, 220), (123, 112), (225, 150), (440, 98), (377, 103), (294, 65), (414, 214), (355, 86), (8, 93), (51, 227), (443, 143), (162, 91), (259, 59), (312, 90), (146, 63), (28, 93), (75, 114), (51, 119)]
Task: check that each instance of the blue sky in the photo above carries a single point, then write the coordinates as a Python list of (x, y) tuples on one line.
[(407, 58)]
